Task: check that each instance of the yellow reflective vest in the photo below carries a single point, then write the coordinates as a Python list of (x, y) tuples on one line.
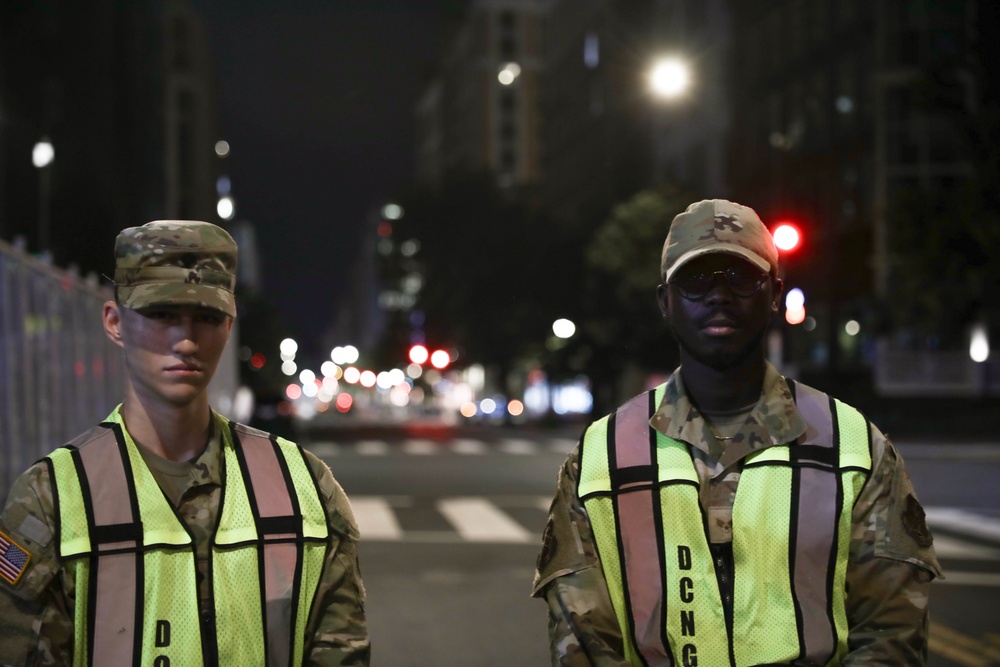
[(791, 536), (133, 558)]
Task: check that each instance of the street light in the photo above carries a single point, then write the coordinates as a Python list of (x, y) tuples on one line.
[(669, 78), (42, 156)]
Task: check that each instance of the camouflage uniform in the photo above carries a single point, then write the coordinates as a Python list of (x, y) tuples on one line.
[(36, 614), (162, 264), (891, 565)]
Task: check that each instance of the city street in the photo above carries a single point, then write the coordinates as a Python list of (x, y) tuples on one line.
[(451, 521)]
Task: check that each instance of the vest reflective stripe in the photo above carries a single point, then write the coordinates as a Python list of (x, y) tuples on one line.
[(791, 520), (142, 544)]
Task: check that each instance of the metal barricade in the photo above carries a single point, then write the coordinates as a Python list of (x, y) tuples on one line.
[(59, 374)]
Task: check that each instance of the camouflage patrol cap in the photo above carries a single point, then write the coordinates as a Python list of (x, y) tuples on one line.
[(717, 225), (176, 263)]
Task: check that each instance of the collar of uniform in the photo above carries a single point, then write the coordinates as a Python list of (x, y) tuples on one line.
[(773, 421), (207, 467)]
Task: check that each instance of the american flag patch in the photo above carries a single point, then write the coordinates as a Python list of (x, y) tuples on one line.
[(13, 559)]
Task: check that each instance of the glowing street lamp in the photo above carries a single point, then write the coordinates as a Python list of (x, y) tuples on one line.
[(669, 78)]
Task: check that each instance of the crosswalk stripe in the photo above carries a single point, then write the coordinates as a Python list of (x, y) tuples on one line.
[(371, 448), (970, 578), (479, 520), (518, 447), (420, 447), (965, 521), (376, 519), (950, 547), (468, 446), (322, 449)]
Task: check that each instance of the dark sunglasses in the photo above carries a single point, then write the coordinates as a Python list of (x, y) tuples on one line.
[(741, 281)]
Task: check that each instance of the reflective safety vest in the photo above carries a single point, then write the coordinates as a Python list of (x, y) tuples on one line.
[(791, 535), (133, 558)]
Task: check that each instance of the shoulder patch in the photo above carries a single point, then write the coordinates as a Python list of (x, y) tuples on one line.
[(915, 522), (13, 559)]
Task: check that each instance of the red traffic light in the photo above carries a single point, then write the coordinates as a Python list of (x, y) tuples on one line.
[(786, 237)]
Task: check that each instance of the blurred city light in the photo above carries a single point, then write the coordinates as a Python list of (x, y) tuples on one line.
[(392, 212), (669, 78), (288, 367), (258, 360), (414, 371), (440, 359), (852, 328), (351, 375), (330, 385), (979, 344), (468, 409), (310, 389), (307, 376), (563, 328), (288, 346), (396, 377), (328, 369), (222, 148), (809, 324), (508, 73), (795, 308), (367, 379), (293, 391), (344, 402), (515, 407), (223, 186), (786, 237), (409, 248), (382, 380), (342, 356), (43, 154), (419, 354), (487, 406), (226, 208)]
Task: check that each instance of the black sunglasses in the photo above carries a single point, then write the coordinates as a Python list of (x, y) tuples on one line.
[(741, 281)]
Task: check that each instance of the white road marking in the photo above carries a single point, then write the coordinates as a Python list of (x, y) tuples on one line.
[(479, 520), (970, 578), (950, 547), (467, 446), (371, 448), (376, 519), (322, 449), (421, 447), (518, 446), (964, 521)]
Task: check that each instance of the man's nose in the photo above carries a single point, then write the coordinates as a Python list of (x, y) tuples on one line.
[(185, 340)]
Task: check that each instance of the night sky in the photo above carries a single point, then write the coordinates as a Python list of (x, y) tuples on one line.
[(316, 99)]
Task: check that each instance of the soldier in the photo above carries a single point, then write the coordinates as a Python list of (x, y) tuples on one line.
[(169, 534), (732, 516)]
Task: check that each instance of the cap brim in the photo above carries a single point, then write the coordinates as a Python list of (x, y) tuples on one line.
[(724, 248), (151, 295)]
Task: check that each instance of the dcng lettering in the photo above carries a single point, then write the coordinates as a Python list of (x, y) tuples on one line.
[(689, 653), (162, 640)]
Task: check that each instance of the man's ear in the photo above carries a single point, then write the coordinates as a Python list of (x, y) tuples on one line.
[(662, 299), (113, 322), (777, 291)]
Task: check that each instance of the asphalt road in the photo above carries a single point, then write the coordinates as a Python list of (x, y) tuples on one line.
[(451, 523)]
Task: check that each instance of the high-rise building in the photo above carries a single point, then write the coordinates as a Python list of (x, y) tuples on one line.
[(478, 111), (125, 95)]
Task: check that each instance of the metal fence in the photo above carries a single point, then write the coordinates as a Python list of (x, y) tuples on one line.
[(59, 374)]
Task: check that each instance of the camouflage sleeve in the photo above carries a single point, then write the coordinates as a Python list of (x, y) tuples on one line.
[(892, 563), (36, 617), (337, 631), (583, 628)]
